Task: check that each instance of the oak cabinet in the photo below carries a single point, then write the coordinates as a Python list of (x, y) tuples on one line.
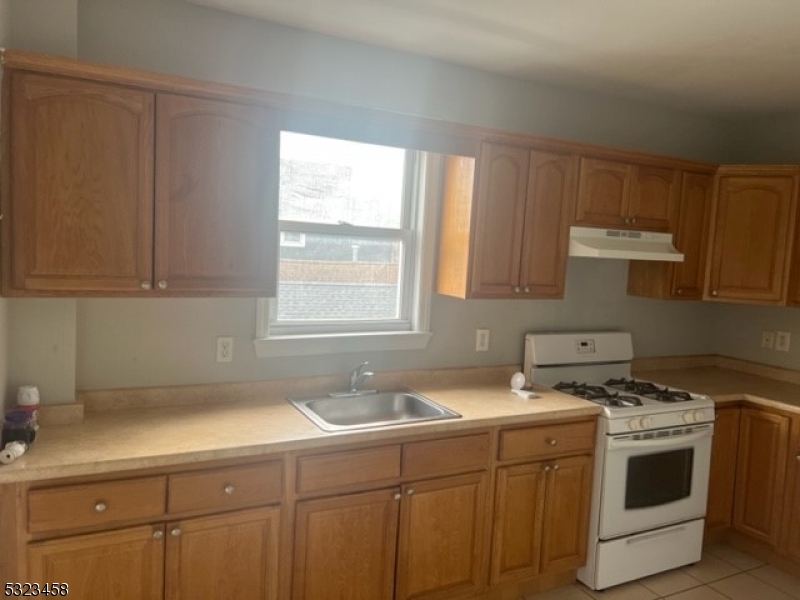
[(504, 232), (541, 520), (116, 190), (682, 280), (722, 479), (760, 470), (753, 225), (626, 196), (791, 542)]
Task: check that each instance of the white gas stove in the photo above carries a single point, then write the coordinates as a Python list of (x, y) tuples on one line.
[(652, 455)]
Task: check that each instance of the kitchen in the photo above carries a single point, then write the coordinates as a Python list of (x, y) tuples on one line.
[(89, 344)]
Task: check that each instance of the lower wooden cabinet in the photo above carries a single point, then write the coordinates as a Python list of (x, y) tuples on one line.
[(125, 565), (541, 517), (791, 542), (722, 479), (763, 448), (424, 540)]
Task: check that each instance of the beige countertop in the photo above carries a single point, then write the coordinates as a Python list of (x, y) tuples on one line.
[(139, 438)]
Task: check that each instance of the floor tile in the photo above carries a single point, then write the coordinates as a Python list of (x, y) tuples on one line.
[(711, 568), (626, 591), (746, 587), (569, 592), (670, 582), (733, 556), (778, 579), (699, 593)]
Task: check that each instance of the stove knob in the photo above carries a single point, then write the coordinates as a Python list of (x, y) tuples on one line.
[(688, 417), (699, 415), (634, 424), (646, 423)]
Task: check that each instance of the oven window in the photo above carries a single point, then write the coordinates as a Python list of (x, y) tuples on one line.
[(656, 479)]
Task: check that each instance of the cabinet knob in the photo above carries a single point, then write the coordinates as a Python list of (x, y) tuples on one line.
[(158, 534), (100, 507), (527, 289), (713, 292), (633, 220), (680, 291), (627, 220), (145, 285), (175, 532), (398, 496), (162, 285), (410, 492), (229, 489), (552, 442), (546, 468), (798, 456), (516, 289), (555, 467)]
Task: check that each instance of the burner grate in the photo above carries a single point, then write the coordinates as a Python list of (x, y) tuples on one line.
[(649, 390), (597, 394)]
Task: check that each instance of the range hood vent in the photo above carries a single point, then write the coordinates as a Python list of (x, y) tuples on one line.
[(622, 244)]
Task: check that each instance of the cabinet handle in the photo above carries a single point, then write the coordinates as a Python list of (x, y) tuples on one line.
[(175, 532), (158, 534), (552, 442), (162, 285), (713, 292), (410, 492), (229, 489), (145, 285), (398, 496), (100, 507)]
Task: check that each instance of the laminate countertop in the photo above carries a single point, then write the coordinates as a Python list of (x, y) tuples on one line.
[(138, 438)]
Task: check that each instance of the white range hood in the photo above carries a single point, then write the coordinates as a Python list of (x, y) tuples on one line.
[(622, 244)]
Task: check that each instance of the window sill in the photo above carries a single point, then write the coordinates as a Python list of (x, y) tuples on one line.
[(337, 343)]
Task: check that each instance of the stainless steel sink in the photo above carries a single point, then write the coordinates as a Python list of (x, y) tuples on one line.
[(337, 412)]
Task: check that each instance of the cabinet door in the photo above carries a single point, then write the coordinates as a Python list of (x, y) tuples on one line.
[(345, 547), (228, 557), (124, 565), (603, 193), (81, 190), (722, 479), (216, 197), (566, 513), (691, 236), (751, 235), (792, 504), (441, 549), (499, 221), (519, 505), (654, 198), (545, 239), (763, 446)]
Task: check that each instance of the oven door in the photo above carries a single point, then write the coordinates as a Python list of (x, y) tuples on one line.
[(654, 478)]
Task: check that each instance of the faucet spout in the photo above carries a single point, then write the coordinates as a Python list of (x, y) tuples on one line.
[(358, 376)]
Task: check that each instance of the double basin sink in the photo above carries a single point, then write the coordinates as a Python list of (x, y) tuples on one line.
[(367, 409)]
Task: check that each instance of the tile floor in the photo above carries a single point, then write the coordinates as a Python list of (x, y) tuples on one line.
[(723, 574)]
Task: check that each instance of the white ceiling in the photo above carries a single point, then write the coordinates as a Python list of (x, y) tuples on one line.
[(721, 56)]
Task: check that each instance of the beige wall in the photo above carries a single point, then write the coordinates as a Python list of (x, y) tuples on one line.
[(44, 26), (106, 343)]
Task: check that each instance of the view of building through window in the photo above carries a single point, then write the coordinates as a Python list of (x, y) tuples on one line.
[(344, 235)]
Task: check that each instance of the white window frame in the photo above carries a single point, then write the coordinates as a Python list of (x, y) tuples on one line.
[(412, 332)]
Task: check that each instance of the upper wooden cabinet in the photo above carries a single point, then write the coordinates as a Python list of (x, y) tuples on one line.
[(682, 280), (753, 225), (80, 203), (626, 196), (106, 198), (505, 232)]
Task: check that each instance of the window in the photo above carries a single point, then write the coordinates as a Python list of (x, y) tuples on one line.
[(355, 255)]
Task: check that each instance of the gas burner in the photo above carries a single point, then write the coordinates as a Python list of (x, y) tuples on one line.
[(597, 394), (649, 390)]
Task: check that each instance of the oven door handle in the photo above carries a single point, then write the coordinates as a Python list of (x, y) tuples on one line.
[(678, 440)]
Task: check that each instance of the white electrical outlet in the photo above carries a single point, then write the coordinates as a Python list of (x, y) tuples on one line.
[(782, 339), (481, 340), (768, 339), (224, 349)]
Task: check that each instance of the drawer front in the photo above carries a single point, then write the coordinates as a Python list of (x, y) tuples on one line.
[(76, 506), (547, 440), (226, 488), (465, 453), (347, 469)]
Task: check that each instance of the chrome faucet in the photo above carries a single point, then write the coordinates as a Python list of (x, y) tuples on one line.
[(358, 376)]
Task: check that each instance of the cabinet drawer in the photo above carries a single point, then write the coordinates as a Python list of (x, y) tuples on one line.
[(546, 440), (227, 488), (75, 506), (343, 469), (441, 456)]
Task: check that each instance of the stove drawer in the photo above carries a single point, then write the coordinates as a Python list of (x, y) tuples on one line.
[(543, 441)]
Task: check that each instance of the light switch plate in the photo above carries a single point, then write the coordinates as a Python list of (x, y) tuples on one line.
[(782, 339)]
